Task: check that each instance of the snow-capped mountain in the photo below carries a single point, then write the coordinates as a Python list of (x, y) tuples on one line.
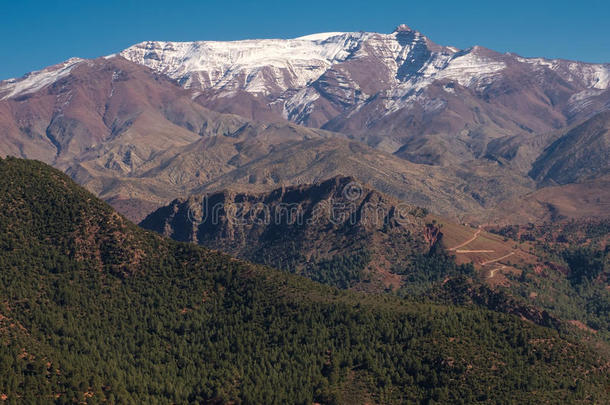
[(268, 66), (399, 92), (257, 66), (37, 80), (137, 139), (347, 68)]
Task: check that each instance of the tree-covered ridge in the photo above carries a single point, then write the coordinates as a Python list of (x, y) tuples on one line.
[(94, 309), (572, 279)]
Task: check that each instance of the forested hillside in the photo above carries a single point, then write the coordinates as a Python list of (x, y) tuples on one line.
[(94, 309)]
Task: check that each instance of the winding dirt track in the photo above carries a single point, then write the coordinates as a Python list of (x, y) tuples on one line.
[(476, 234), (492, 273), (498, 259)]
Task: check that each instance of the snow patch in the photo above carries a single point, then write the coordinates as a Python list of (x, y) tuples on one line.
[(580, 101), (298, 107), (467, 69), (590, 75), (600, 76)]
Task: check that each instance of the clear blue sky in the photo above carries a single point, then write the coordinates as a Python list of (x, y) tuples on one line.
[(35, 34)]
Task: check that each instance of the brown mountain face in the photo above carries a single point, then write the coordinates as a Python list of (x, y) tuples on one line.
[(331, 229), (582, 153), (131, 135), (463, 188), (589, 199), (447, 122), (572, 172), (105, 101), (108, 121)]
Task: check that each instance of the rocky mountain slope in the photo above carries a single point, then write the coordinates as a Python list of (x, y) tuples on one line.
[(589, 199), (105, 119), (95, 309), (573, 174), (345, 233), (309, 229)]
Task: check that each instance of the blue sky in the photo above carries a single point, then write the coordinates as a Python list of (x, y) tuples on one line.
[(40, 33)]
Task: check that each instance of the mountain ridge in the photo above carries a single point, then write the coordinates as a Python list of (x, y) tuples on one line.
[(135, 138), (303, 229), (583, 153)]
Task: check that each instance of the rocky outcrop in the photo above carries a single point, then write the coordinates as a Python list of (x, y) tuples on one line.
[(301, 226)]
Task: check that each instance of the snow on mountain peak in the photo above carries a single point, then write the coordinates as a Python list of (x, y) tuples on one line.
[(297, 76), (269, 66), (247, 64), (348, 67), (36, 80)]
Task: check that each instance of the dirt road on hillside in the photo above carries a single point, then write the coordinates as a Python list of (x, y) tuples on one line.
[(476, 234)]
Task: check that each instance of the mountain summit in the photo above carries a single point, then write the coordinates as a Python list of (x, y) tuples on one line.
[(402, 27)]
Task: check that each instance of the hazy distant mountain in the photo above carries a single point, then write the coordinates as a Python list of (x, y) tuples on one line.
[(589, 199)]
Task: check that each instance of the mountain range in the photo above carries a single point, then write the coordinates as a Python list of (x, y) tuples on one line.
[(399, 92), (459, 132)]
